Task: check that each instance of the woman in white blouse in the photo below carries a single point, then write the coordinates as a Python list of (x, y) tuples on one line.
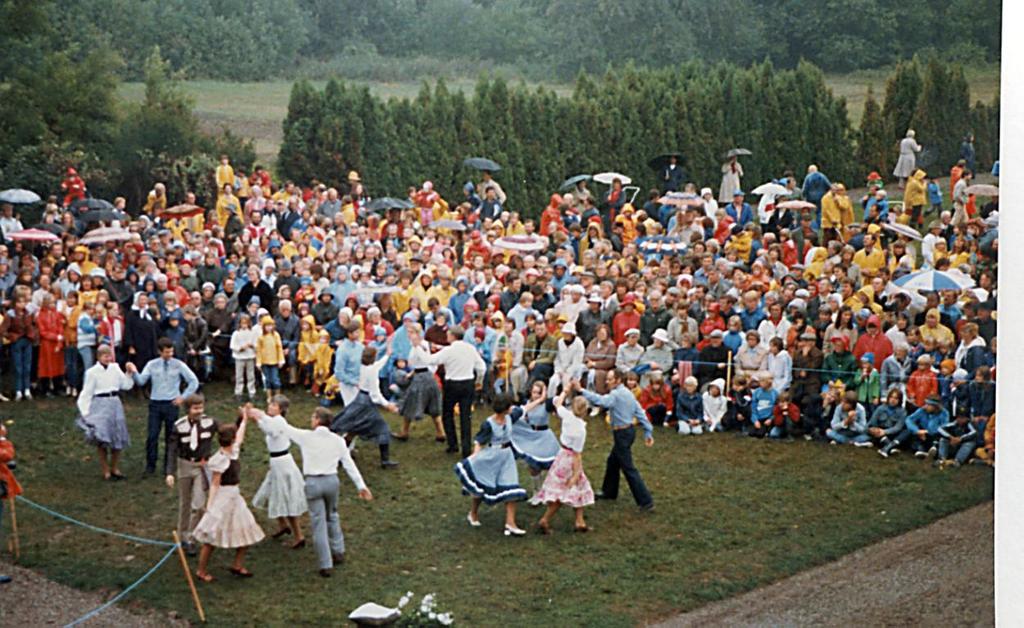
[(283, 492), (100, 413)]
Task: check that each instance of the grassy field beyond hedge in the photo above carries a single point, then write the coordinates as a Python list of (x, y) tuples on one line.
[(256, 110), (733, 513)]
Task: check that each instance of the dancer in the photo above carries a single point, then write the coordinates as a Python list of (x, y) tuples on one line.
[(346, 363), (490, 474), (283, 492), (422, 395), (322, 452), (166, 373), (533, 440), (228, 523), (192, 444), (360, 416), (566, 483), (101, 415), (623, 408), (463, 367), (9, 487)]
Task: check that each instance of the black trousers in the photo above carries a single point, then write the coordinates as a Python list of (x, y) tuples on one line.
[(458, 393), (621, 459), (162, 415)]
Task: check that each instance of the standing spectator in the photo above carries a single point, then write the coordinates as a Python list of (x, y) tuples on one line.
[(51, 346), (907, 162)]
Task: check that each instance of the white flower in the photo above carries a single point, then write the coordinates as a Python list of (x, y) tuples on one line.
[(409, 594), (402, 602), (445, 619), (432, 615)]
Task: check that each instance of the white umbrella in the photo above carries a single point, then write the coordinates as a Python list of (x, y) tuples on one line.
[(982, 189), (375, 290), (770, 188), (19, 197), (522, 243), (106, 234), (607, 178), (904, 230)]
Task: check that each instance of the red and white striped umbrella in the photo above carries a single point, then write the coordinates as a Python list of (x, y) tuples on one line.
[(106, 234), (523, 243), (33, 235), (796, 204)]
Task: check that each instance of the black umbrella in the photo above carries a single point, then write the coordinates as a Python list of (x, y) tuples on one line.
[(572, 181), (91, 204), (52, 227), (481, 163), (102, 215), (662, 160), (386, 202), (737, 152)]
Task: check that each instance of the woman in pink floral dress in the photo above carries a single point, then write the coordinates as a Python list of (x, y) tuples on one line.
[(566, 483)]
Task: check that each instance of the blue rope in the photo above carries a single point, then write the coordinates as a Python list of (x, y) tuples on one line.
[(68, 519), (96, 611)]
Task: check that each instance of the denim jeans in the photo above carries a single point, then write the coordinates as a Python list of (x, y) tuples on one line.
[(963, 451), (72, 370), (21, 355), (620, 459), (271, 377), (88, 359), (162, 415), (844, 437)]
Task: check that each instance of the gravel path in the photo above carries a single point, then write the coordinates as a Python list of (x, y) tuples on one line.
[(913, 579), (33, 600)]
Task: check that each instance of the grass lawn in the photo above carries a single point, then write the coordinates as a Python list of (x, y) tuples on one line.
[(256, 110), (732, 513)]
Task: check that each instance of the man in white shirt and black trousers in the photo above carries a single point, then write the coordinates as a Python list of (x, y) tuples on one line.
[(464, 369), (322, 451)]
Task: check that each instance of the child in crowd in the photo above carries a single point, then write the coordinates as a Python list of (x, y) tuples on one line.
[(762, 402), (737, 413), (944, 380), (986, 453), (780, 365), (867, 383), (849, 423), (322, 358), (982, 395), (887, 421), (308, 342), (957, 437), (715, 405), (922, 383), (689, 413), (270, 356), (656, 399), (243, 352), (785, 418)]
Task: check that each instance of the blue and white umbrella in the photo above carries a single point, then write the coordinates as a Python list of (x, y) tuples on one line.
[(19, 197), (934, 280)]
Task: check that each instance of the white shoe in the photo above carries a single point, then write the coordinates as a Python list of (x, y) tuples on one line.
[(832, 442), (514, 531), (4, 397), (473, 522), (28, 395), (595, 411), (535, 501), (18, 396), (866, 443), (882, 453)]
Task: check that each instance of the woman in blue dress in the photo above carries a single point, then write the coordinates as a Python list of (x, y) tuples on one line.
[(533, 440), (490, 474)]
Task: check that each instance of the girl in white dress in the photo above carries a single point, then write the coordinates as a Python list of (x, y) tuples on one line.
[(283, 492)]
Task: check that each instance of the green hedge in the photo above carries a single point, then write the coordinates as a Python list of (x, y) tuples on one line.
[(616, 122)]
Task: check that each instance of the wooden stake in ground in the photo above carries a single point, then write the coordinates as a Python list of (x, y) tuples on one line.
[(15, 545), (728, 372), (188, 578)]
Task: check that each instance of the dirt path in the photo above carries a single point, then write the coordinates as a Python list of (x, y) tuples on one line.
[(33, 600), (913, 579)]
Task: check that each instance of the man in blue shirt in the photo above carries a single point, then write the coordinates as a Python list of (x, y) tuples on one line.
[(623, 408), (347, 362), (165, 375), (739, 210)]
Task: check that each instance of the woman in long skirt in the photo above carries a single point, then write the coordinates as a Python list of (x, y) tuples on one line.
[(227, 522), (533, 440), (907, 163), (283, 492), (566, 482), (490, 474), (422, 395), (361, 417), (101, 414)]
